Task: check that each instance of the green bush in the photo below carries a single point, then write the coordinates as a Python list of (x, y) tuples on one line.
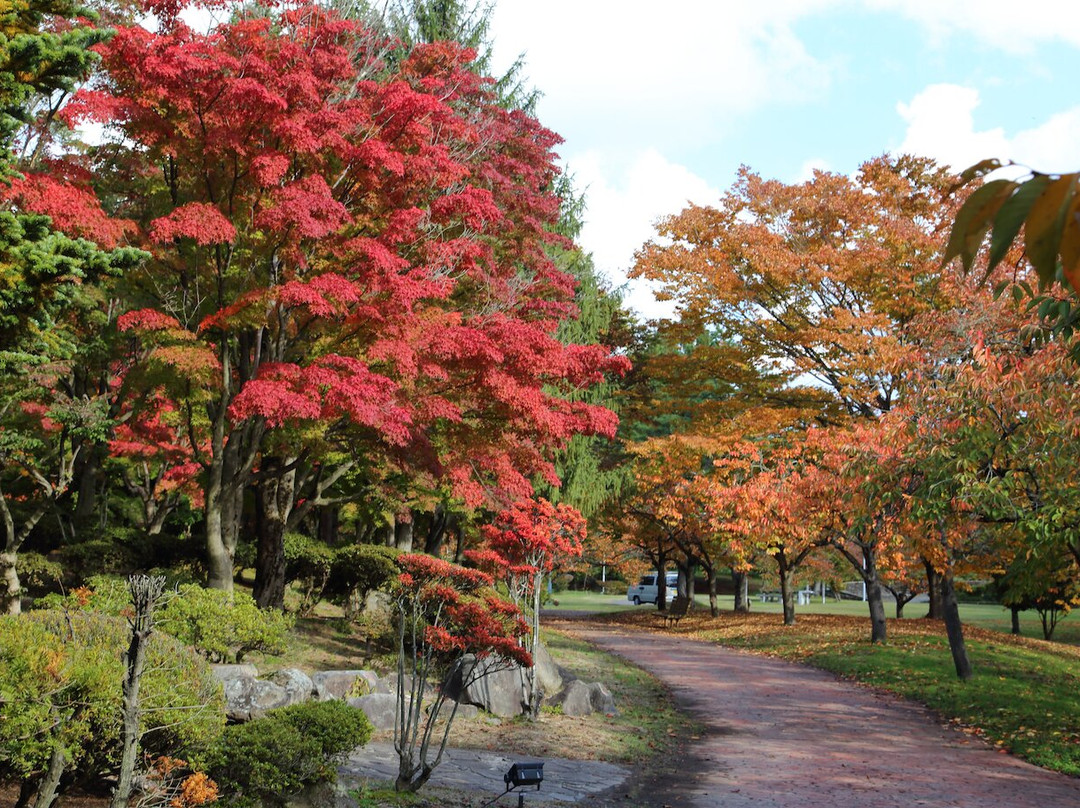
[(308, 564), (60, 686), (37, 574), (96, 557), (107, 594), (613, 587), (223, 627), (358, 570), (270, 758)]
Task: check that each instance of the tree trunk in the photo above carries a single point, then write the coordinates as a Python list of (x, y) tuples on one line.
[(437, 531), (459, 542), (26, 792), (403, 532), (787, 595), (878, 630), (385, 535), (145, 592), (10, 586), (1015, 619), (89, 475), (714, 605), (661, 582), (534, 694), (276, 494), (687, 574), (742, 598), (955, 629), (328, 525), (224, 503), (50, 783), (936, 609)]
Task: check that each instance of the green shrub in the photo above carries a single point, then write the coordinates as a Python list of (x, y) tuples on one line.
[(290, 748), (308, 564), (223, 627), (37, 574), (561, 582), (358, 570), (96, 557), (611, 587), (60, 677), (107, 594)]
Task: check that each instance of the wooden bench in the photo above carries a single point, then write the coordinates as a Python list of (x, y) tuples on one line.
[(676, 610)]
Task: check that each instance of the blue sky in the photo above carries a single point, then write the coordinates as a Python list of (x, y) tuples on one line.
[(660, 103)]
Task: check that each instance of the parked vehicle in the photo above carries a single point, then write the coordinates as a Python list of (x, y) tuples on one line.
[(647, 591)]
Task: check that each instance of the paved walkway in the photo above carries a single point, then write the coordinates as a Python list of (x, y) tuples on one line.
[(776, 735), (477, 770), (780, 735)]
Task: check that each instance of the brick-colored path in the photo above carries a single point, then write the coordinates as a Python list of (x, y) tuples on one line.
[(780, 735)]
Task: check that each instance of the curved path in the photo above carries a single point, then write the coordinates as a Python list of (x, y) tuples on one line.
[(781, 735)]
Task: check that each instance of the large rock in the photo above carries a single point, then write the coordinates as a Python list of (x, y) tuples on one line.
[(490, 685), (579, 698), (549, 676), (247, 697), (576, 699), (601, 699), (380, 708), (297, 684), (388, 684), (266, 696), (331, 685), (238, 685)]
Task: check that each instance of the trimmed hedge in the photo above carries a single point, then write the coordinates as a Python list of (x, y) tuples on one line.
[(271, 758)]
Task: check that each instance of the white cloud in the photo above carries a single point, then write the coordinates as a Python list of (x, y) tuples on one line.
[(940, 124), (650, 75), (625, 200), (807, 169), (1004, 24)]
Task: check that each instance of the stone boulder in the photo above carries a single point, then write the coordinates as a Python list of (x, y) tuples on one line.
[(549, 676), (246, 696), (380, 708), (579, 699), (297, 684), (329, 685), (491, 685)]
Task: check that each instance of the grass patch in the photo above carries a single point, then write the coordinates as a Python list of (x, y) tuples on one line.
[(647, 722), (577, 601), (1024, 696)]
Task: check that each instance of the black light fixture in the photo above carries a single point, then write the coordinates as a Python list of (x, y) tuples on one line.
[(521, 775), (524, 774)]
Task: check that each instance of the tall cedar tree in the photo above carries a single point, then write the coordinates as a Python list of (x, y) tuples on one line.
[(45, 277)]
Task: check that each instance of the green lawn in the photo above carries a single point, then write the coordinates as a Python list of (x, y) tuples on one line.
[(985, 615)]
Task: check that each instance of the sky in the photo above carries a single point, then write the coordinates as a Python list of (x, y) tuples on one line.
[(660, 103)]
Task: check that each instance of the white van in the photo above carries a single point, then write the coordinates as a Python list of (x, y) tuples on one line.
[(646, 590)]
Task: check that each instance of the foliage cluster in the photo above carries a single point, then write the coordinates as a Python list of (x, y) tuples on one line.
[(269, 759), (865, 407), (443, 613), (219, 627), (60, 674)]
